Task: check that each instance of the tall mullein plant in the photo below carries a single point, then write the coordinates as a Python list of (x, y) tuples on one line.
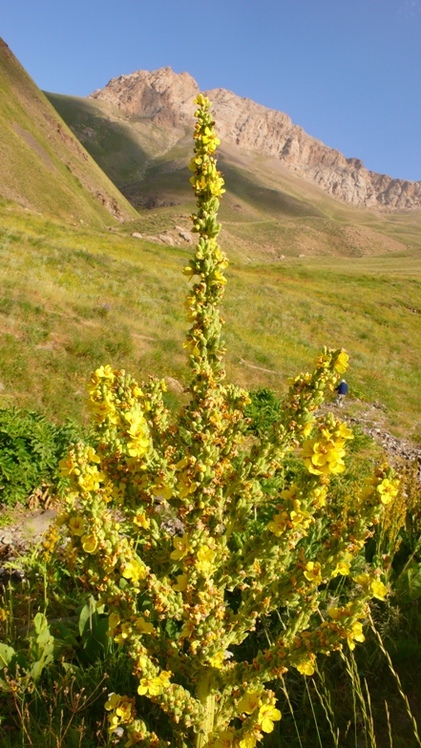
[(183, 534)]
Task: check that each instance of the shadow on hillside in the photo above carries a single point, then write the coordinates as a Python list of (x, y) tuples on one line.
[(110, 143), (265, 199)]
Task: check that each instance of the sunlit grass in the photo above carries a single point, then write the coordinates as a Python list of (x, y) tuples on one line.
[(73, 299)]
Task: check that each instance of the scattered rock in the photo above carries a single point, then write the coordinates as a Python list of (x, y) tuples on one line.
[(186, 235), (174, 385), (166, 239), (26, 529), (136, 235), (397, 450)]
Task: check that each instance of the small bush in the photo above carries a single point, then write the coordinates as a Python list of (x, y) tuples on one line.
[(30, 449)]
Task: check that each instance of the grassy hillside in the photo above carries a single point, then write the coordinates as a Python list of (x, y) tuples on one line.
[(122, 147), (43, 167), (75, 298)]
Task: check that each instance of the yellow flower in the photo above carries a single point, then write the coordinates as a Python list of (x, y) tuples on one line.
[(144, 627), (378, 589), (162, 491), (91, 455), (299, 518), (125, 709), (249, 702), (103, 409), (150, 686), (355, 634), (248, 741), (204, 559), (113, 721), (164, 677), (141, 520), (363, 580), (268, 714), (139, 433), (343, 568), (89, 543), (118, 491), (192, 346), (125, 633), (182, 463), (307, 429), (185, 485), (181, 547), (154, 686), (388, 490), (224, 739), (105, 372), (113, 621), (137, 447), (77, 525), (335, 613), (341, 363), (91, 478), (217, 660), (278, 524), (313, 572), (323, 456), (113, 701), (68, 466), (181, 585), (320, 494), (344, 432), (134, 570), (217, 276), (306, 667), (290, 493)]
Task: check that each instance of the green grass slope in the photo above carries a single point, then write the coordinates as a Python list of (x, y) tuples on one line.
[(74, 298), (43, 167), (123, 147)]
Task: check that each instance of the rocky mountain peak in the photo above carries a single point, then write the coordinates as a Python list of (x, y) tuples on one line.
[(166, 99), (162, 96)]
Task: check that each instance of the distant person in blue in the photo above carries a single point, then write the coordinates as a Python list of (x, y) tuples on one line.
[(341, 390)]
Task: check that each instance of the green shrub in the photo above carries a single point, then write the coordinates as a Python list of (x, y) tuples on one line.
[(30, 449), (264, 410)]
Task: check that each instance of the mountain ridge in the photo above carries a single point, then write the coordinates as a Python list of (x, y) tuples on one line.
[(44, 167), (166, 99)]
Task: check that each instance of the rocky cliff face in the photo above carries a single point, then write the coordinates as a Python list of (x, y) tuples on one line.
[(166, 99)]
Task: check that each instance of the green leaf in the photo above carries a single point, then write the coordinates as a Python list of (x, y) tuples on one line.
[(408, 584), (40, 623), (6, 654), (37, 667), (86, 615)]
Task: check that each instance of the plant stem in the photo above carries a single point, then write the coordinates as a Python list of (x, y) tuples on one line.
[(208, 700)]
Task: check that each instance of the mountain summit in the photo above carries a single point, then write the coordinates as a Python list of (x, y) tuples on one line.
[(166, 98)]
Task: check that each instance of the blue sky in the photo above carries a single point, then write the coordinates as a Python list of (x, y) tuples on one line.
[(347, 71)]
